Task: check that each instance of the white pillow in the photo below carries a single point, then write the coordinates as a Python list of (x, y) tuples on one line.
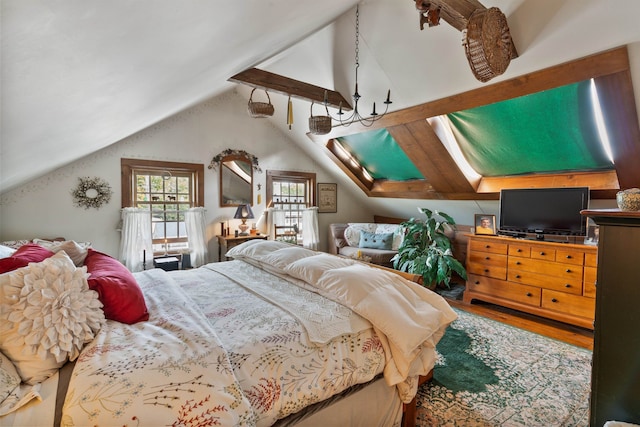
[(352, 232), (13, 395), (255, 248), (6, 251), (9, 378), (76, 251), (47, 315), (310, 269), (282, 258), (396, 229)]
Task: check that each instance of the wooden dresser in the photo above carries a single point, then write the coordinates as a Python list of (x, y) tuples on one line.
[(553, 280)]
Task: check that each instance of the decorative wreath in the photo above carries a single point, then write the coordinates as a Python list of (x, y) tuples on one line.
[(84, 197), (215, 162)]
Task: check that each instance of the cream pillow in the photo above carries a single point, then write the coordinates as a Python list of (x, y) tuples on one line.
[(47, 315), (255, 248), (282, 258), (352, 232), (13, 394), (6, 251), (310, 269), (76, 251), (9, 378)]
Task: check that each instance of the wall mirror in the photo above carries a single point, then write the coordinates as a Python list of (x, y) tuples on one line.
[(236, 176)]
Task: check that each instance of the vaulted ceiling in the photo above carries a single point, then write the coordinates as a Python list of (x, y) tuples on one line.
[(79, 76)]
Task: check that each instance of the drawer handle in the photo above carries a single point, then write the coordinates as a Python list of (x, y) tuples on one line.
[(487, 257), (568, 257), (486, 270), (517, 262), (529, 294), (554, 300), (517, 276), (487, 246), (477, 282), (519, 250), (567, 285), (542, 253), (568, 270)]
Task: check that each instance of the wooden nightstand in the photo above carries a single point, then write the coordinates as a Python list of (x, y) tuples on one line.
[(227, 242)]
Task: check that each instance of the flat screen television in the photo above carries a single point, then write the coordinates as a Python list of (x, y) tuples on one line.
[(544, 211)]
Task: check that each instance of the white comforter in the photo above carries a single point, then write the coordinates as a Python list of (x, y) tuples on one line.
[(228, 344)]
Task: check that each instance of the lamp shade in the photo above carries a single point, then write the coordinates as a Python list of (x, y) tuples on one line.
[(244, 212)]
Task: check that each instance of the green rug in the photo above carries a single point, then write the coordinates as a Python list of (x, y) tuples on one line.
[(492, 374)]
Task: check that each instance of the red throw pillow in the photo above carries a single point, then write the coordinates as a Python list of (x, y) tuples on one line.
[(23, 256), (117, 288)]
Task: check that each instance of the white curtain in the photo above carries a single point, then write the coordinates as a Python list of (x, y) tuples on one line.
[(310, 234), (274, 216), (196, 227), (136, 246)]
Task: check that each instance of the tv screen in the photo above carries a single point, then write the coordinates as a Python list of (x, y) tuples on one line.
[(544, 210)]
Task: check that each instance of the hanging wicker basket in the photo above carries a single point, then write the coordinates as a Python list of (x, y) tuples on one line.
[(487, 43), (319, 125), (260, 109)]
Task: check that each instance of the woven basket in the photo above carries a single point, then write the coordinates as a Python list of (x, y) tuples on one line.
[(260, 109), (319, 125), (487, 43)]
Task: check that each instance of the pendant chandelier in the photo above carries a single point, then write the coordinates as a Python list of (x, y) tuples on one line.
[(355, 114)]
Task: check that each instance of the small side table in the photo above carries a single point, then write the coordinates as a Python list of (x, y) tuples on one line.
[(227, 242)]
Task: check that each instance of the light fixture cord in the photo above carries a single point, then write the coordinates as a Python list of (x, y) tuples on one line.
[(356, 95)]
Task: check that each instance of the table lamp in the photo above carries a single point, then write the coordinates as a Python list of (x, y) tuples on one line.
[(243, 213)]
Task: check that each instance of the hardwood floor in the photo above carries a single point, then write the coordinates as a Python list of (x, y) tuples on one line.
[(574, 335)]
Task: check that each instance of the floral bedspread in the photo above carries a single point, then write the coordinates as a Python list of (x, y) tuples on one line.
[(171, 370), (280, 368)]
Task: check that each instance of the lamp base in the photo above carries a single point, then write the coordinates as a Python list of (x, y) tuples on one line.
[(243, 229)]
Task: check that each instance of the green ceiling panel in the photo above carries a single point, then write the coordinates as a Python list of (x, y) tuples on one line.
[(380, 155), (545, 132)]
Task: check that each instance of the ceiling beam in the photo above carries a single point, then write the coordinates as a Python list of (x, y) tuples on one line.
[(271, 82)]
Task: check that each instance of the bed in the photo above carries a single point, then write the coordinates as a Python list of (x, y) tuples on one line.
[(281, 335)]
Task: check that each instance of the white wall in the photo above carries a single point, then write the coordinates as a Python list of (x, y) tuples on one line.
[(44, 207)]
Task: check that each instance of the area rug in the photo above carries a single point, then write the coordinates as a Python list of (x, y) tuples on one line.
[(492, 374)]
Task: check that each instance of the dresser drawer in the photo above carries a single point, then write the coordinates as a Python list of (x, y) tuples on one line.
[(523, 251), (487, 246), (570, 257), (569, 304), (512, 291), (548, 254), (571, 286), (487, 270), (590, 277), (554, 269), (488, 259)]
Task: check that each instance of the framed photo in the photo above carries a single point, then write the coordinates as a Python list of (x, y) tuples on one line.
[(593, 233), (327, 198), (485, 224)]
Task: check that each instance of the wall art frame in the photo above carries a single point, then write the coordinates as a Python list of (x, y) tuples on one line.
[(327, 197)]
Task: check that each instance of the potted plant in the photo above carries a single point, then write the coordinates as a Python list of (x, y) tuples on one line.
[(426, 249)]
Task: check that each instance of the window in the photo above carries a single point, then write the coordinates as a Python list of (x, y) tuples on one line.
[(291, 192), (166, 190)]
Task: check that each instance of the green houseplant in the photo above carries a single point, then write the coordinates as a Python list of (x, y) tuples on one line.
[(426, 249)]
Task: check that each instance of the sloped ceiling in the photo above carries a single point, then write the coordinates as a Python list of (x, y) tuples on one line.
[(79, 76)]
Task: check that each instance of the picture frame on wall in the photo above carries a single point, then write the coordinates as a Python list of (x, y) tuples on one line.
[(485, 224), (327, 197)]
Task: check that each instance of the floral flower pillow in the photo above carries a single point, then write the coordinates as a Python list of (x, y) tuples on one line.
[(47, 315)]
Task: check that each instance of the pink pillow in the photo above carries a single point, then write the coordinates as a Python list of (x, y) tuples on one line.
[(23, 256), (117, 288)]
